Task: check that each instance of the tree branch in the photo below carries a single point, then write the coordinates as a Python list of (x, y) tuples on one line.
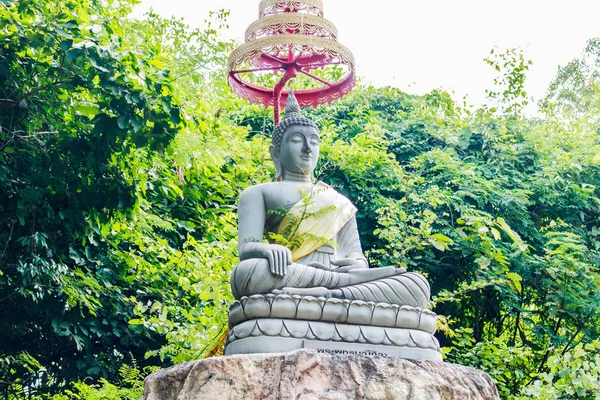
[(8, 240), (12, 103)]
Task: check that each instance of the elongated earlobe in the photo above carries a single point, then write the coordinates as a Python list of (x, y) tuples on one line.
[(277, 162)]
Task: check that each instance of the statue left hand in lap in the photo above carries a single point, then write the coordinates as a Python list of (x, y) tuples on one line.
[(326, 258)]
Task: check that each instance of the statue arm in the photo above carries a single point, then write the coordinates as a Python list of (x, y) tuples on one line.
[(350, 249), (251, 225)]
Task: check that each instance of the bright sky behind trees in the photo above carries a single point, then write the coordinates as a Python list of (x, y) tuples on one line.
[(421, 45)]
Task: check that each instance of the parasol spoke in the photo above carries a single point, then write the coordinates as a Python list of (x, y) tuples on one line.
[(242, 71), (316, 78), (272, 58), (320, 64)]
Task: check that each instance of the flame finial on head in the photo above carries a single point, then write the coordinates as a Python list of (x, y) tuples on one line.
[(292, 108)]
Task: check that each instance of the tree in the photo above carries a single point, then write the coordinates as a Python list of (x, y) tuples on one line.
[(74, 108)]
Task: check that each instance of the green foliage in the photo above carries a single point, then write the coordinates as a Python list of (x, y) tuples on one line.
[(84, 127), (572, 375), (131, 386), (511, 84)]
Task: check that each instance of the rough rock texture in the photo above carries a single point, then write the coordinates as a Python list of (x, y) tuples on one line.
[(308, 375)]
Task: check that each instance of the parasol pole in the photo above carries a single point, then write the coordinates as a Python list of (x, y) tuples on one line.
[(290, 73)]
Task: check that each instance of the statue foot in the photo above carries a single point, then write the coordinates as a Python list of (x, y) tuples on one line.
[(314, 291)]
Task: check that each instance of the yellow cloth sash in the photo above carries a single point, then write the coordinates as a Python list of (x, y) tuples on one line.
[(324, 226)]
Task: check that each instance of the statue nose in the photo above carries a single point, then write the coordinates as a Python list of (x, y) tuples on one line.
[(306, 149)]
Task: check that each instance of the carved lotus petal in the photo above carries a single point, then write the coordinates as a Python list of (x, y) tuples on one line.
[(428, 321), (244, 329), (236, 314), (309, 308), (348, 333), (336, 336), (231, 336), (408, 317), (335, 310), (436, 344), (323, 330), (243, 301), (360, 313), (398, 337), (270, 297), (270, 327), (384, 315), (284, 332), (424, 340), (283, 307), (257, 306), (412, 342), (373, 334), (361, 338), (297, 329), (386, 339)]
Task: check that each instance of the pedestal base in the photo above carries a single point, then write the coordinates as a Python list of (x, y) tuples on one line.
[(268, 335), (267, 344)]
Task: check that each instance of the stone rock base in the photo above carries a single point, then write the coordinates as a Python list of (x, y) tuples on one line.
[(309, 375)]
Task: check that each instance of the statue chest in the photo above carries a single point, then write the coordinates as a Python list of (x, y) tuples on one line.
[(283, 196)]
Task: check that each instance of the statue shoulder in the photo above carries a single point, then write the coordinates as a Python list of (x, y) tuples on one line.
[(255, 191)]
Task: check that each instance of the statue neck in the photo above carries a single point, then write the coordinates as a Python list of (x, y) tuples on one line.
[(289, 176)]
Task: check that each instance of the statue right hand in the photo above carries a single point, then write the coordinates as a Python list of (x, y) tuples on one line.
[(279, 258)]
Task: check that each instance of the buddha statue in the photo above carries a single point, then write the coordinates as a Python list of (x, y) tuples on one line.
[(328, 260), (302, 275)]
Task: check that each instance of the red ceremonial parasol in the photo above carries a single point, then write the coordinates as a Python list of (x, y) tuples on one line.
[(290, 38)]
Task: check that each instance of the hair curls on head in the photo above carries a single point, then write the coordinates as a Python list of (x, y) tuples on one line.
[(292, 118)]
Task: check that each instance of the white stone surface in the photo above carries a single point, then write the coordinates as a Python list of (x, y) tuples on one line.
[(308, 375)]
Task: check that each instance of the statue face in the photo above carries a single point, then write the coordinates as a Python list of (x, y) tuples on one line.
[(300, 149)]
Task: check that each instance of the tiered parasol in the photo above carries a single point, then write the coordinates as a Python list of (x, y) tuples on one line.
[(288, 39)]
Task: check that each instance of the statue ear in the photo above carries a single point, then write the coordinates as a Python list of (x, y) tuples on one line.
[(276, 160)]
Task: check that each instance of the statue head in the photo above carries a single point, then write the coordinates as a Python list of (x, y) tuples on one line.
[(295, 142)]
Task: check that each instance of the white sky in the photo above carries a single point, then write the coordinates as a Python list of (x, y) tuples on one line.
[(421, 45)]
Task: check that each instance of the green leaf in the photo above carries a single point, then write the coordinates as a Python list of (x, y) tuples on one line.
[(89, 111), (495, 233), (175, 115), (65, 45), (515, 279), (138, 124), (123, 121), (97, 65), (73, 54), (464, 139)]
